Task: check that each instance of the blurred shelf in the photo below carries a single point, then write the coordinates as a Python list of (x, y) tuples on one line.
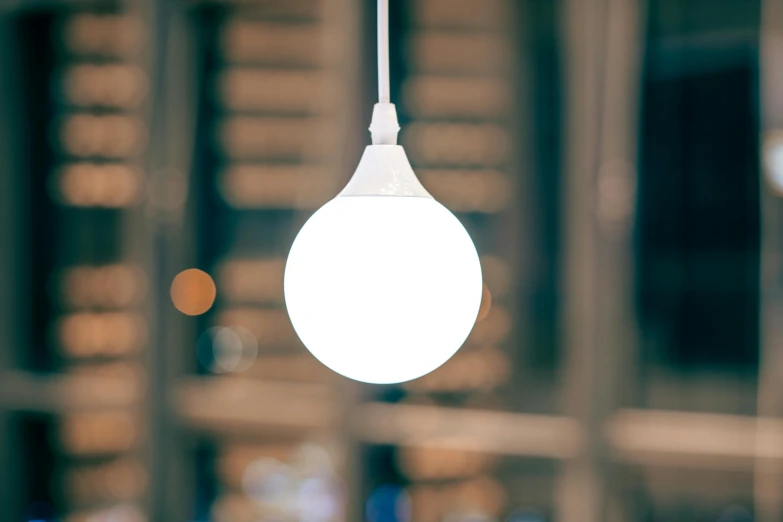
[(647, 437), (22, 391), (692, 439), (464, 429), (238, 404)]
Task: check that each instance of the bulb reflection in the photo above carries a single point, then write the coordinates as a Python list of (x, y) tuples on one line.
[(388, 503), (773, 160), (305, 489), (227, 349)]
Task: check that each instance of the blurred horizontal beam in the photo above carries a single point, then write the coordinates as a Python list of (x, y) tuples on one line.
[(23, 391), (689, 439), (236, 403), (648, 437), (665, 438), (472, 430)]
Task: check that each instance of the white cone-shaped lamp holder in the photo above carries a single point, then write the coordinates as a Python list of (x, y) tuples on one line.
[(384, 169)]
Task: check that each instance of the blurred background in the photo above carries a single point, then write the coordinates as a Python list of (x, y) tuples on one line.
[(618, 163)]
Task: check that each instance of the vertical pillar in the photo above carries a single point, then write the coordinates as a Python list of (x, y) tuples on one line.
[(602, 42), (768, 473), (8, 262)]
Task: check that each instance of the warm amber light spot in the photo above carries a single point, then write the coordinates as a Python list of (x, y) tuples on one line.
[(486, 304), (193, 291)]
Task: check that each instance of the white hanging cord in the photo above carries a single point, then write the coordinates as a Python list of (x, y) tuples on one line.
[(383, 51), (384, 126)]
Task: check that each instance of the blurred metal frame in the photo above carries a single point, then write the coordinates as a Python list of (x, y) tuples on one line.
[(8, 264), (768, 479), (171, 115), (603, 40)]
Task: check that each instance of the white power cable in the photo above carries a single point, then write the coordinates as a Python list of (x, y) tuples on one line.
[(384, 126), (383, 51)]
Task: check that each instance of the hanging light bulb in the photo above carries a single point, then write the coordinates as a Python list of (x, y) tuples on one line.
[(383, 284)]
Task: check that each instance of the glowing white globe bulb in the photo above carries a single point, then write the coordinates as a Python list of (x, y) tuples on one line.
[(383, 283)]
